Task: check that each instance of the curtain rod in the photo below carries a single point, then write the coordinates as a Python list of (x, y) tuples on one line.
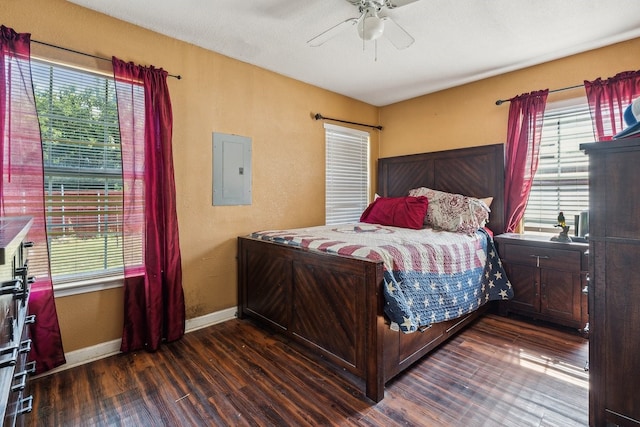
[(500, 101), (87, 54), (319, 116)]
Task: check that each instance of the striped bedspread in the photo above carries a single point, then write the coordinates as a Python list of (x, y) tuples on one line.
[(430, 276)]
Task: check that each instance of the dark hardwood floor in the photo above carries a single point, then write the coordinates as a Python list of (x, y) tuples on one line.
[(498, 372)]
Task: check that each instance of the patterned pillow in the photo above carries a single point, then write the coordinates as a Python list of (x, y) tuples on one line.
[(453, 212)]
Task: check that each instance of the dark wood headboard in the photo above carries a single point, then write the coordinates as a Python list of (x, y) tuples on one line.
[(475, 171)]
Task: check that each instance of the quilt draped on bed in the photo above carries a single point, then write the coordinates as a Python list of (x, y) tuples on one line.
[(430, 276)]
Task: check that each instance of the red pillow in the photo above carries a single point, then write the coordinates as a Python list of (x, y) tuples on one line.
[(406, 212)]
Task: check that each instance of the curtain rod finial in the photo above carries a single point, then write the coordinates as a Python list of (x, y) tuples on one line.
[(318, 116), (499, 102)]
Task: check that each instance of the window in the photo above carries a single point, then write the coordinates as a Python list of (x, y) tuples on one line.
[(347, 174), (78, 118), (561, 182)]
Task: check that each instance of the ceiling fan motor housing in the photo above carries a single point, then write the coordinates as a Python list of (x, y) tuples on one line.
[(389, 4)]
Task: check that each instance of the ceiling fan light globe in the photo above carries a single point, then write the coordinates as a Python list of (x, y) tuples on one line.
[(370, 28)]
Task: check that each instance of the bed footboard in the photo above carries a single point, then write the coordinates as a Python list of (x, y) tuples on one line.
[(329, 304)]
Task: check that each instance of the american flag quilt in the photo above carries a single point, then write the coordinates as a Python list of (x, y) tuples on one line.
[(430, 275)]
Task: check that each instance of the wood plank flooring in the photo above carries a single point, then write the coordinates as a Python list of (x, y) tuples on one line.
[(498, 372)]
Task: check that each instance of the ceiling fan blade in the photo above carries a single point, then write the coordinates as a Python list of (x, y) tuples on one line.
[(393, 4), (396, 34), (332, 32)]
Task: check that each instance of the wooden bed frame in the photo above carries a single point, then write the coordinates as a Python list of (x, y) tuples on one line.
[(332, 305)]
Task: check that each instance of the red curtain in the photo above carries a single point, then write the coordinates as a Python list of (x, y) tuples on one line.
[(607, 101), (523, 144), (154, 299), (22, 188)]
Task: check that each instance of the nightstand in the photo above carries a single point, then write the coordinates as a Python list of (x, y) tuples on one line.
[(549, 278)]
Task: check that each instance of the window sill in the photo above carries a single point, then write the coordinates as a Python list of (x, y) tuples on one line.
[(85, 286), (540, 233)]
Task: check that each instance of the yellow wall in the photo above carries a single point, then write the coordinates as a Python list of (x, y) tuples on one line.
[(216, 94), (223, 95), (467, 116)]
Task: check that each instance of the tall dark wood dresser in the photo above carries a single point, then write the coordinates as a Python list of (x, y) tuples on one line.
[(614, 285), (14, 341)]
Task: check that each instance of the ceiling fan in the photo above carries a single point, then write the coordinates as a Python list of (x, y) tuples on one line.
[(371, 25)]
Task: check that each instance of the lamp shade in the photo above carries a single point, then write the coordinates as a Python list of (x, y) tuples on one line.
[(370, 28)]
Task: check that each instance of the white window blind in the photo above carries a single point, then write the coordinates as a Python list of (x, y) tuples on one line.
[(347, 174), (78, 118), (561, 181)]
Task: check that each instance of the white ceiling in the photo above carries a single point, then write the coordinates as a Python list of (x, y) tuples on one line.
[(456, 41)]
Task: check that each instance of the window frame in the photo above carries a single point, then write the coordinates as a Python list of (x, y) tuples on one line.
[(546, 218), (357, 172), (108, 278)]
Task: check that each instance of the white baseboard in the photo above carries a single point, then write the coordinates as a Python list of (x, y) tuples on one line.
[(210, 319), (110, 348)]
